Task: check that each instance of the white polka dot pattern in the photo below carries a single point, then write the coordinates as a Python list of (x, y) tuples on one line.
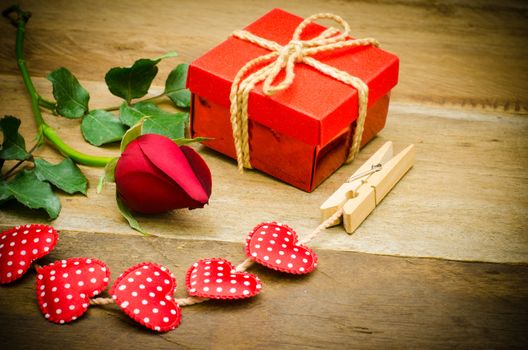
[(20, 246), (145, 293), (216, 278), (275, 246), (64, 295)]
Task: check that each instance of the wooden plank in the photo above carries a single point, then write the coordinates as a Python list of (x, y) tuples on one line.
[(463, 54), (466, 197), (351, 300)]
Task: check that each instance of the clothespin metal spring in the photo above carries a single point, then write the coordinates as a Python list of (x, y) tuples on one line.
[(374, 169)]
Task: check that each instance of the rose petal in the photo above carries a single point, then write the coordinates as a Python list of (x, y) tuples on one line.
[(173, 163), (162, 194), (199, 167)]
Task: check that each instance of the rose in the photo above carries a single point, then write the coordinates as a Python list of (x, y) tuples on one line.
[(155, 175)]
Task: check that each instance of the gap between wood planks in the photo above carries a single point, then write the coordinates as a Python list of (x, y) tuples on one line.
[(456, 112), (300, 236)]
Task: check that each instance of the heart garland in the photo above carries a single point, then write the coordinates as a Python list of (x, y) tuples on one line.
[(145, 291)]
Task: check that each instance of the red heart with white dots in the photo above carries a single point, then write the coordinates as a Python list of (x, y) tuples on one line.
[(20, 246), (64, 287), (217, 279), (145, 293), (275, 245)]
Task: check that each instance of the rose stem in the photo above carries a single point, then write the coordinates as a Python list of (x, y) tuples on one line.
[(44, 129)]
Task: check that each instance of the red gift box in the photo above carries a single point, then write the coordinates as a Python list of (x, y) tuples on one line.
[(300, 135)]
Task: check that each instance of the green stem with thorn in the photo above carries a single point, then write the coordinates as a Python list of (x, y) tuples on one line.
[(37, 101)]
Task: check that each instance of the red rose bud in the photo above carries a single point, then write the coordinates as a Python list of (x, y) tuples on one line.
[(155, 175)]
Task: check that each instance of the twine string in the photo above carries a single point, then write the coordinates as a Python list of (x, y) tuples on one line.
[(243, 266), (101, 301), (269, 66)]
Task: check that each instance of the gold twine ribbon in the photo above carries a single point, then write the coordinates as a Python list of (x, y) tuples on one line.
[(284, 58)]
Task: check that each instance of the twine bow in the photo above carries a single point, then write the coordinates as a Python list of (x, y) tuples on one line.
[(284, 58)]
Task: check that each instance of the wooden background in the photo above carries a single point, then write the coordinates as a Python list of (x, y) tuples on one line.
[(462, 99)]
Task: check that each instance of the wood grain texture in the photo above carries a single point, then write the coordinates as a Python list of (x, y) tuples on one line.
[(469, 54), (462, 99), (352, 300)]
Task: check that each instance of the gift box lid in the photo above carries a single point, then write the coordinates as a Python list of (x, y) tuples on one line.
[(315, 107)]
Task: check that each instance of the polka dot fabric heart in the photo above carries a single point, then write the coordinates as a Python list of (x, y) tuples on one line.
[(217, 279), (275, 246), (64, 288), (20, 246), (145, 293)]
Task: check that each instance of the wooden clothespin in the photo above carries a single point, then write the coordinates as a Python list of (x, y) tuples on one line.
[(367, 187)]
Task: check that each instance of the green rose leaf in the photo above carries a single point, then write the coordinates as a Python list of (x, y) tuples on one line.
[(66, 175), (129, 115), (175, 86), (151, 110), (109, 174), (72, 98), (127, 214), (34, 194), (158, 121), (181, 98), (154, 120), (13, 146), (5, 194), (99, 127), (172, 126), (132, 82)]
